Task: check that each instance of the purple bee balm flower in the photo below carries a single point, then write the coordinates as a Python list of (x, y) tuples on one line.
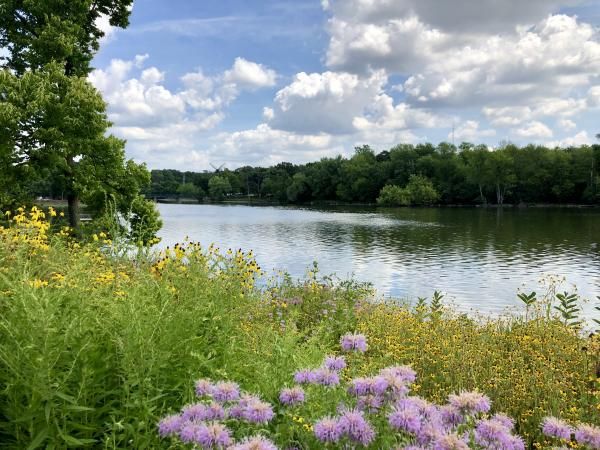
[(588, 435), (257, 411), (335, 363), (254, 443), (354, 342), (215, 412), (418, 403), (291, 396), (470, 403), (170, 425), (493, 434), (198, 411), (413, 447), (327, 377), (429, 433), (225, 391), (370, 403), (353, 424), (327, 430), (406, 419), (236, 412), (305, 376), (189, 432), (508, 422), (556, 428), (359, 386), (212, 435), (204, 388), (450, 416), (450, 442), (379, 385), (404, 373)]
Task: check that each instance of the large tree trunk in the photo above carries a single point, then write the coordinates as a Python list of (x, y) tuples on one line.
[(73, 201)]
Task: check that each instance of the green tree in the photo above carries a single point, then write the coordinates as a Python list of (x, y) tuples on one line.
[(218, 187), (190, 190), (39, 32), (499, 169), (421, 191), (58, 119), (391, 195)]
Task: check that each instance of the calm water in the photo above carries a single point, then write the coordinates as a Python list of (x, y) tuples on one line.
[(477, 257)]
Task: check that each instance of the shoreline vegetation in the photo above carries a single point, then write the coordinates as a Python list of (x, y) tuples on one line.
[(97, 347), (404, 175)]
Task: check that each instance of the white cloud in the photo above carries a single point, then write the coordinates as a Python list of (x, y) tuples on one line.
[(250, 75), (577, 140), (469, 131), (534, 130), (567, 124)]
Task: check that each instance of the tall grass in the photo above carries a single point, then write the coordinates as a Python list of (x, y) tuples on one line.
[(94, 349)]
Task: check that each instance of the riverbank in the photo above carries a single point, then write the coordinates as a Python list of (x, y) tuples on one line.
[(95, 349)]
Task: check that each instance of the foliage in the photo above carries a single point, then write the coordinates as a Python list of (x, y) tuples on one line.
[(95, 349), (468, 174), (418, 191), (190, 190), (36, 33), (218, 188)]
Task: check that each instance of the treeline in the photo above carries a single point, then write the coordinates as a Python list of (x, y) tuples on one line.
[(407, 174)]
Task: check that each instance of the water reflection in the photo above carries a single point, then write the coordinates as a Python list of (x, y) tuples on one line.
[(478, 257)]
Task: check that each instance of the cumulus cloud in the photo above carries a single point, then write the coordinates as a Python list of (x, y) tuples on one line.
[(469, 131), (577, 140), (534, 130), (157, 120), (250, 75)]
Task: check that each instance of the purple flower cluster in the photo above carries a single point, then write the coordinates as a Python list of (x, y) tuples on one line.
[(198, 424), (556, 428), (351, 424), (584, 434), (291, 396), (493, 433), (470, 403), (354, 342), (390, 385), (326, 375)]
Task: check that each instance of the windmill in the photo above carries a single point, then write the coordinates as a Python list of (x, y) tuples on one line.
[(217, 169)]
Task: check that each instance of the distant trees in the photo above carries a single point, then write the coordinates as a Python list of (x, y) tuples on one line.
[(418, 192), (467, 174), (218, 187), (190, 190)]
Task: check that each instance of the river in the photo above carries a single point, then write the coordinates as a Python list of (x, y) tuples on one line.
[(479, 258)]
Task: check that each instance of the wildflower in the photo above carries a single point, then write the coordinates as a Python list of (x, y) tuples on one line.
[(405, 419), (212, 435), (254, 443), (379, 385), (226, 392), (291, 396), (200, 411), (359, 386), (370, 403), (553, 427), (508, 422), (170, 425), (470, 402), (356, 342), (327, 377), (353, 424), (204, 388), (450, 442), (493, 434), (189, 432), (588, 435), (450, 416), (304, 376), (404, 373), (335, 363), (327, 430), (257, 411)]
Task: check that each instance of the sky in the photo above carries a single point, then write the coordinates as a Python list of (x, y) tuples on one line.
[(192, 84)]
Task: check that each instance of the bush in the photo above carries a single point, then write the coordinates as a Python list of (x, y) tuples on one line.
[(418, 191)]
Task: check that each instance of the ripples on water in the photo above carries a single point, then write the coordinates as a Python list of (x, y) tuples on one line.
[(478, 257)]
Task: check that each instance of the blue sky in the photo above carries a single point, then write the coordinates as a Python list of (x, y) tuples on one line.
[(191, 83)]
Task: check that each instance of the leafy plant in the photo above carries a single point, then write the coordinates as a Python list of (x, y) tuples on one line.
[(529, 300), (569, 309)]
